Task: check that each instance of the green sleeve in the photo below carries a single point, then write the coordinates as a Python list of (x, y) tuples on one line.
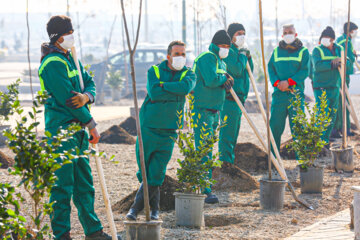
[(320, 65), (207, 67), (251, 63), (58, 84), (89, 84), (236, 64), (272, 70), (350, 53), (156, 93), (303, 73), (183, 87)]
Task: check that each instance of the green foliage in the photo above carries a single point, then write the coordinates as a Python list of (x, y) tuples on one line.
[(11, 221), (194, 168), (7, 99), (87, 68), (114, 78), (35, 163), (307, 131)]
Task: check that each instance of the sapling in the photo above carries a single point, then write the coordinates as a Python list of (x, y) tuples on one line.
[(308, 130), (196, 164)]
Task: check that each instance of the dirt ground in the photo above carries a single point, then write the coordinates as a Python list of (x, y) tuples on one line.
[(238, 215)]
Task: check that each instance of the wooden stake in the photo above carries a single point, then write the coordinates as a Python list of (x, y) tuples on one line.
[(266, 87), (73, 50)]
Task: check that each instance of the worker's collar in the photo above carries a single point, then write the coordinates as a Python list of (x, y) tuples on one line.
[(215, 49), (164, 66), (47, 48), (294, 46)]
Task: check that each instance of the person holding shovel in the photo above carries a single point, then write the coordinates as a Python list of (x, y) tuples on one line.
[(66, 105), (236, 62), (351, 54), (168, 84), (288, 68), (209, 94), (326, 61)]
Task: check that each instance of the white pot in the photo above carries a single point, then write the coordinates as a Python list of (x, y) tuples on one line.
[(189, 209)]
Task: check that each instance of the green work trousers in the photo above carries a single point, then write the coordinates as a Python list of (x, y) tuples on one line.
[(74, 181), (332, 97), (230, 132), (280, 110), (209, 119), (158, 147)]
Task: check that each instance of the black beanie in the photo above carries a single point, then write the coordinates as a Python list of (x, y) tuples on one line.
[(233, 28), (328, 32), (58, 26), (221, 37), (353, 26)]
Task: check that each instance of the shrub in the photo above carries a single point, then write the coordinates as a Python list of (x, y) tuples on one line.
[(7, 99)]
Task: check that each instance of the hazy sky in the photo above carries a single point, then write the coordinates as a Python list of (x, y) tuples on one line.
[(288, 9)]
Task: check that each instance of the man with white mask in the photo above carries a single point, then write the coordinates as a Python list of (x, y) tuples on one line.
[(168, 84), (236, 62), (68, 104), (288, 68), (351, 54), (209, 94), (326, 61)]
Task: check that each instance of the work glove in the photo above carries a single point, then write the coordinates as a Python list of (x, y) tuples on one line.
[(94, 136), (336, 63), (77, 101), (245, 52), (229, 83)]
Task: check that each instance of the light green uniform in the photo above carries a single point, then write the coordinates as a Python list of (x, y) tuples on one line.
[(58, 76), (236, 67), (292, 66), (209, 95), (159, 118)]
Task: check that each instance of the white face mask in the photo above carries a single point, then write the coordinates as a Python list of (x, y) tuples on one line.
[(68, 42), (353, 34), (325, 41), (240, 40), (223, 52), (289, 38), (178, 63)]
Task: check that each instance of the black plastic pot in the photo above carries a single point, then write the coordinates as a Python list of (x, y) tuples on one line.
[(272, 194), (311, 179), (343, 158)]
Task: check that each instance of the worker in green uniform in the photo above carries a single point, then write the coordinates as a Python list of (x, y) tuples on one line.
[(168, 84), (351, 54), (326, 61), (68, 104), (236, 63), (288, 68), (212, 82)]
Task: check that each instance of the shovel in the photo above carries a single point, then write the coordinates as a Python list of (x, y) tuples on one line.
[(280, 169)]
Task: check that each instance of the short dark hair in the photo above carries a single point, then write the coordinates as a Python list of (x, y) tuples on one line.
[(174, 43)]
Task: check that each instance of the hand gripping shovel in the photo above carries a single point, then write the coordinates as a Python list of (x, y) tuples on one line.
[(98, 163), (280, 169)]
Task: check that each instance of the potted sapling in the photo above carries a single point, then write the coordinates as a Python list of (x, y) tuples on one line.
[(115, 80), (308, 143), (195, 168), (7, 99)]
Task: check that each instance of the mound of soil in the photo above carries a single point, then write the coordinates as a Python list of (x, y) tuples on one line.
[(250, 157), (116, 135), (231, 178), (252, 106), (129, 125), (289, 154), (139, 94), (6, 161), (222, 220), (167, 198)]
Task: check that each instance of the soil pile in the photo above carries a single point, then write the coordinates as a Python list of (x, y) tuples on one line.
[(167, 198), (6, 161), (116, 135), (231, 178), (251, 106), (250, 157), (139, 94), (129, 125), (287, 153)]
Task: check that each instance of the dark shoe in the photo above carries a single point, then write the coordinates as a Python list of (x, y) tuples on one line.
[(100, 235), (132, 214), (154, 215), (335, 134), (211, 199), (65, 236), (350, 133)]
